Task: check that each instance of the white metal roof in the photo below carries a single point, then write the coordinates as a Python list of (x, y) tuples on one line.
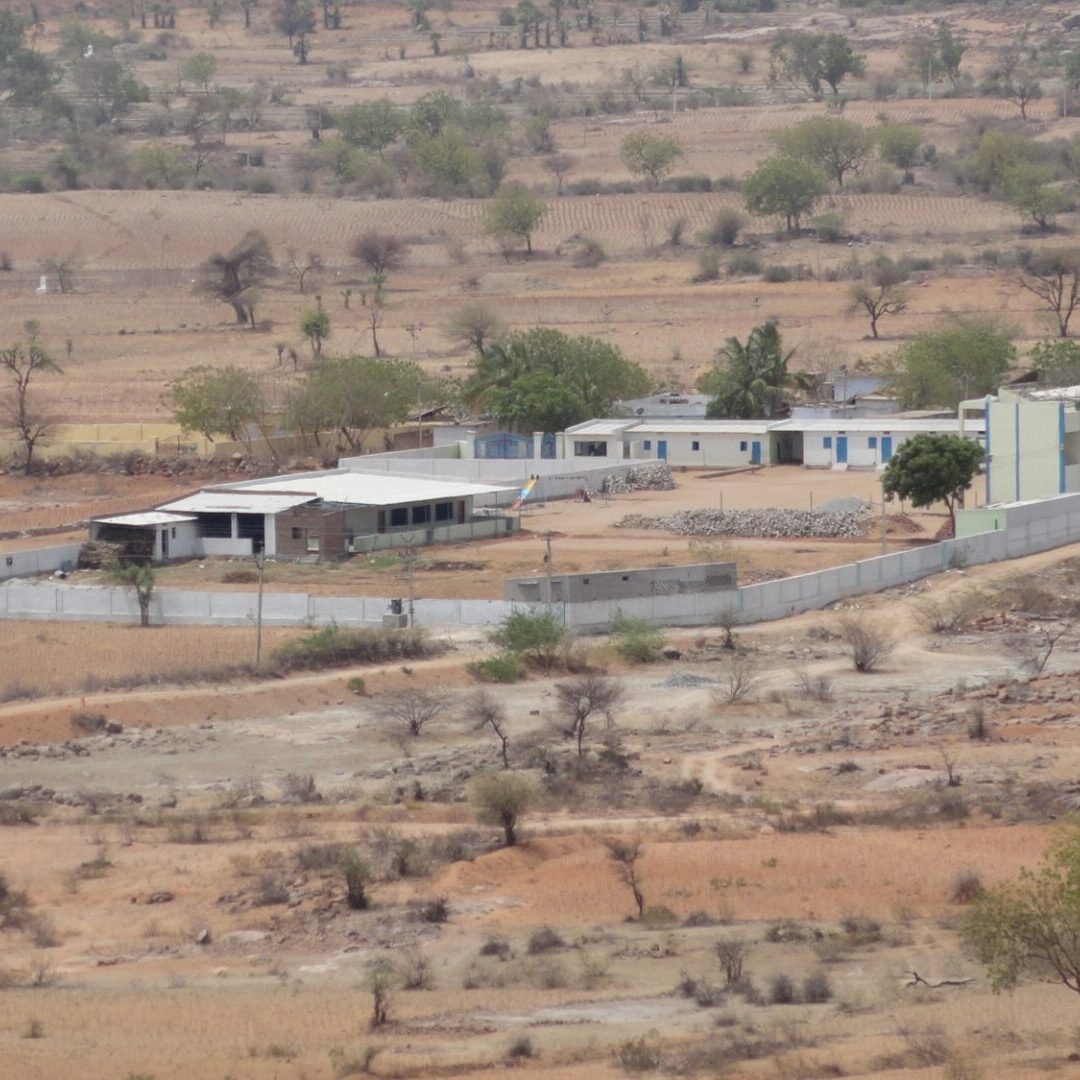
[(1056, 393), (148, 517), (703, 427), (366, 489), (239, 502), (601, 427), (885, 424)]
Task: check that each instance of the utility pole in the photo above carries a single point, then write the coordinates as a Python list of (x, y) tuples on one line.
[(260, 562), (408, 558), (547, 559), (884, 534)]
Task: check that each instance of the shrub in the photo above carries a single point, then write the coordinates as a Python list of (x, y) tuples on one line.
[(496, 946), (239, 577), (357, 686), (502, 668), (967, 887), (520, 1049), (830, 228), (269, 891), (732, 956), (708, 266), (869, 645), (657, 915), (435, 911), (590, 252), (88, 723), (545, 940), (536, 638), (316, 857), (744, 264), (635, 640), (781, 990), (357, 874), (778, 273), (638, 1055), (299, 788), (724, 228), (331, 646), (816, 989)]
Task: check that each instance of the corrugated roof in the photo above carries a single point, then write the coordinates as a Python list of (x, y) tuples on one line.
[(703, 427), (601, 427), (239, 502), (148, 517), (884, 424), (367, 489)]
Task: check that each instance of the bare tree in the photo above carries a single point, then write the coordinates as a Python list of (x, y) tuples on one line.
[(869, 645), (234, 277), (585, 698), (415, 709), (1038, 648), (881, 294), (731, 952), (381, 980), (475, 325), (489, 714), (738, 680), (625, 855), (300, 266), (63, 268), (558, 165), (22, 363), (375, 318), (727, 619), (380, 252), (1054, 277), (949, 761)]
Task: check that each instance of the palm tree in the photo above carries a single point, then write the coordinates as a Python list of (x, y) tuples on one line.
[(750, 379)]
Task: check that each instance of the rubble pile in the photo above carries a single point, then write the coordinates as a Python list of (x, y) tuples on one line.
[(652, 477), (775, 523)]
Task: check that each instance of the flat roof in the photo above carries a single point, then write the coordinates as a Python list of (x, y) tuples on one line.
[(704, 427), (368, 489), (881, 423), (691, 426), (602, 427), (210, 501), (148, 517)]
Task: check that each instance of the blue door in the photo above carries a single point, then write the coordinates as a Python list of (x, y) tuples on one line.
[(755, 453), (661, 449), (841, 449), (886, 448)]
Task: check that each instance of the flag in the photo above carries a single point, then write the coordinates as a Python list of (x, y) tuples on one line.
[(525, 492)]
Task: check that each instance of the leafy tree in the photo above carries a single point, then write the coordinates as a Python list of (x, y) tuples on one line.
[(833, 145), (295, 19), (1030, 925), (353, 396), (580, 377), (21, 365), (200, 69), (537, 639), (933, 468), (950, 51), (648, 155), (431, 114), (218, 401), (785, 188), (25, 75), (881, 293), (899, 144), (502, 799), (515, 211), (1032, 190), (315, 326), (140, 579), (373, 125), (750, 379), (1054, 277), (962, 358), (161, 165), (108, 86), (447, 161), (235, 276), (997, 154), (476, 325), (12, 29), (807, 62), (1057, 362)]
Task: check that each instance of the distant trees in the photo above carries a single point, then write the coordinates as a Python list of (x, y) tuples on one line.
[(930, 55), (1054, 277), (784, 188), (26, 76), (515, 212), (750, 378), (373, 125), (927, 469), (315, 326), (1031, 188), (829, 143), (295, 19), (476, 325), (961, 358), (1057, 362), (544, 380), (21, 365), (200, 69), (809, 62), (502, 799), (898, 144), (652, 156), (235, 277), (880, 293)]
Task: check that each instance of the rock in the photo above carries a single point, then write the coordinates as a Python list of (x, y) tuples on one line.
[(775, 523), (113, 727), (203, 937), (162, 897), (652, 477)]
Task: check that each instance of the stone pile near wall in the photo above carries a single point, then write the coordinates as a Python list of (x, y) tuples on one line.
[(775, 523), (651, 477)]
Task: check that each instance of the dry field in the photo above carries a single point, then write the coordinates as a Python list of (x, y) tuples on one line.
[(196, 822)]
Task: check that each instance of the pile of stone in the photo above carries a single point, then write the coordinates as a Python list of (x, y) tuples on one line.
[(773, 523), (98, 554), (656, 476)]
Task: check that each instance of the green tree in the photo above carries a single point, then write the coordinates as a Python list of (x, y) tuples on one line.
[(835, 146), (315, 326), (536, 638), (648, 155), (27, 77), (899, 144), (432, 114), (12, 29), (807, 62), (933, 468), (140, 579), (200, 69), (784, 188), (1054, 277), (997, 154), (962, 358), (373, 125), (515, 211), (218, 401), (161, 165), (447, 161), (354, 396), (1033, 925), (502, 799), (1057, 362), (950, 52), (544, 380), (1032, 189), (880, 293), (750, 379)]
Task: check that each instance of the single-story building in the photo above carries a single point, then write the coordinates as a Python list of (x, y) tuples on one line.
[(318, 515), (622, 584)]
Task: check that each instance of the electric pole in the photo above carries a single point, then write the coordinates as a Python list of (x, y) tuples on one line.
[(260, 562), (547, 559), (408, 558)]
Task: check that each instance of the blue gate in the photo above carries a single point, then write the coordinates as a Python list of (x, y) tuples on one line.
[(503, 445)]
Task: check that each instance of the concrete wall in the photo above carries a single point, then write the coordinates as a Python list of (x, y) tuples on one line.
[(623, 584), (714, 449), (43, 560)]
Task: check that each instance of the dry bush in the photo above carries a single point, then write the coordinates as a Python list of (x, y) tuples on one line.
[(731, 954), (870, 646), (967, 887), (738, 680), (951, 615), (415, 967), (415, 710), (816, 687)]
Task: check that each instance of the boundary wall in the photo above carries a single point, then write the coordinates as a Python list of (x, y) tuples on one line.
[(1039, 526), (43, 560)]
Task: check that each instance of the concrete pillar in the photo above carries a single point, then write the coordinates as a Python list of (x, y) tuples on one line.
[(537, 444), (234, 527)]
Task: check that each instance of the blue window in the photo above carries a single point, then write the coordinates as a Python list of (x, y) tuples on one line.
[(648, 444), (872, 442), (695, 445), (827, 442), (742, 445)]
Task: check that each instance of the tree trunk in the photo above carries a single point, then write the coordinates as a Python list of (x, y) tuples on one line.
[(505, 752), (509, 824), (873, 325), (241, 311)]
